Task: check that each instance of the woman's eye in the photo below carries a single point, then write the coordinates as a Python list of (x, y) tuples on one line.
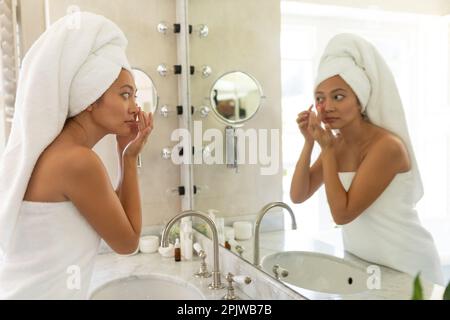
[(126, 95), (339, 97), (319, 99)]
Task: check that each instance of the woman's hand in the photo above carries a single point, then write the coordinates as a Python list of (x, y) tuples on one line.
[(303, 120), (324, 137), (133, 144)]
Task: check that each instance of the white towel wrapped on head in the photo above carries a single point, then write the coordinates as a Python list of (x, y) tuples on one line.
[(67, 69)]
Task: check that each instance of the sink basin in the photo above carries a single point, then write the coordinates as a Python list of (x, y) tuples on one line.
[(147, 288), (318, 272)]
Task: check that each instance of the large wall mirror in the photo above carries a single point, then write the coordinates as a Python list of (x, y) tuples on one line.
[(278, 50), (260, 77)]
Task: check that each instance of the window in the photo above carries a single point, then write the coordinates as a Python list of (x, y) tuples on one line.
[(416, 49)]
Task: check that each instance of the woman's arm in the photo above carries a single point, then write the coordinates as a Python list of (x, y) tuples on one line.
[(129, 194), (120, 165), (116, 219), (306, 180)]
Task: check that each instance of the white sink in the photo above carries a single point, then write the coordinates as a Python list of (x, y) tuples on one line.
[(318, 272), (147, 288)]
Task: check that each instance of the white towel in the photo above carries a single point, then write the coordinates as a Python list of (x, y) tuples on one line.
[(362, 67), (68, 68)]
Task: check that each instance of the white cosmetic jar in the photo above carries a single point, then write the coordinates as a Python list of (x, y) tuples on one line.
[(149, 244), (243, 230)]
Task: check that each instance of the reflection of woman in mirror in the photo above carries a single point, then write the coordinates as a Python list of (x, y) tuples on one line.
[(56, 199), (371, 177), (227, 108)]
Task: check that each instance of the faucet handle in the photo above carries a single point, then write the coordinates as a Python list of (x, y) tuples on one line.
[(279, 271), (239, 248), (241, 279), (203, 272), (198, 248)]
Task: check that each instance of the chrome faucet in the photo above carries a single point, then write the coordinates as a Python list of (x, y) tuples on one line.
[(216, 284), (261, 214)]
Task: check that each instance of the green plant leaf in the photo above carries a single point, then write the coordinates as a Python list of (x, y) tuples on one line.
[(447, 292), (418, 292)]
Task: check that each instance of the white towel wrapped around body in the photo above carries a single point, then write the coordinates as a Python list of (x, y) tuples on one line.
[(68, 68)]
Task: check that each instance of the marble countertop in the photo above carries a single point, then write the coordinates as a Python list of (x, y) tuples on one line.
[(110, 266), (394, 284)]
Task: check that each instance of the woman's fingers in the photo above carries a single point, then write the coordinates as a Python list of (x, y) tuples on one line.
[(142, 119), (150, 120), (316, 121), (148, 126), (312, 119), (300, 119)]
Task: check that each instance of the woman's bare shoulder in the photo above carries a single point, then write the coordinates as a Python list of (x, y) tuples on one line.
[(392, 146), (388, 138), (79, 159), (69, 159), (56, 167)]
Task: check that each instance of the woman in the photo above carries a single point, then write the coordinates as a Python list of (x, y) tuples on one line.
[(369, 170), (75, 87)]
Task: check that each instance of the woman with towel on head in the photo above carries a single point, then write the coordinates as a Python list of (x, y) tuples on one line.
[(370, 173), (56, 200)]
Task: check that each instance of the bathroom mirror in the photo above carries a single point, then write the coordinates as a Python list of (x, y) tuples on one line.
[(147, 96), (236, 97), (280, 47)]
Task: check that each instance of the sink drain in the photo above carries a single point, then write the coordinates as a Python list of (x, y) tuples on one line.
[(350, 280)]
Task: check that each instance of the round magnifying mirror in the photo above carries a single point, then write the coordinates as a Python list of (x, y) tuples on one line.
[(236, 97), (146, 95)]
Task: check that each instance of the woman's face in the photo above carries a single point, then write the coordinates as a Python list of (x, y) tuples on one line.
[(116, 110), (340, 105)]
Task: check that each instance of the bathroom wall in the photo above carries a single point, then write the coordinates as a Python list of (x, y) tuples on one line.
[(146, 50), (244, 36)]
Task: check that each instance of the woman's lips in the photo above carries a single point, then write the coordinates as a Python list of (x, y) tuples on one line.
[(131, 123), (331, 119)]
